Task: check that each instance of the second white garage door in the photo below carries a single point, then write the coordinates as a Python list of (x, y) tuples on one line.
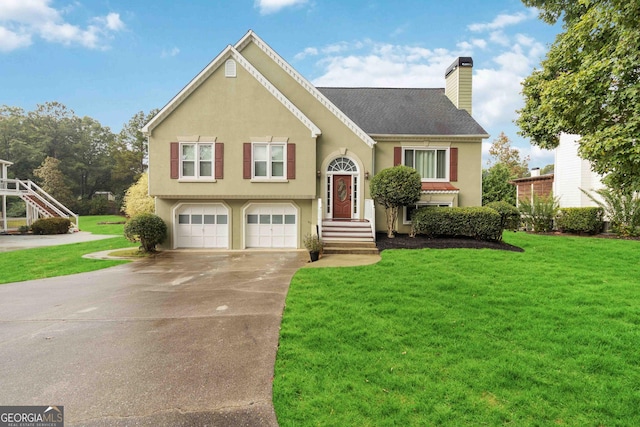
[(271, 226), (202, 226)]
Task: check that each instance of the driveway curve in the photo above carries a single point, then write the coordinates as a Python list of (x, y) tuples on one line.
[(183, 339)]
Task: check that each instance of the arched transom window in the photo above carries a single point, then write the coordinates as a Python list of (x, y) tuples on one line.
[(342, 164)]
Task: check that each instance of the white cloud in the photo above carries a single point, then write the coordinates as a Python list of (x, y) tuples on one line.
[(112, 22), (501, 21), (368, 63), (21, 20), (271, 6), (10, 40), (310, 51), (502, 61), (174, 51), (538, 157)]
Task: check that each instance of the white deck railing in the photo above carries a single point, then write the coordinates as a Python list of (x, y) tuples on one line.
[(370, 215), (27, 189), (320, 216)]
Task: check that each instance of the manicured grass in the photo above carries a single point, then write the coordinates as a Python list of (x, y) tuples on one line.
[(103, 224), (466, 337), (38, 263)]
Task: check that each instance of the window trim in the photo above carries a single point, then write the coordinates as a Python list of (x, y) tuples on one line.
[(269, 176), (422, 205), (447, 161), (196, 177)]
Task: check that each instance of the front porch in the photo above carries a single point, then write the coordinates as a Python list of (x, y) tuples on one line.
[(348, 236)]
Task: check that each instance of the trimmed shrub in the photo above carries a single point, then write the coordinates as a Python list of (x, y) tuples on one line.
[(395, 187), (509, 214), (538, 215), (481, 223), (51, 226), (580, 220), (148, 229)]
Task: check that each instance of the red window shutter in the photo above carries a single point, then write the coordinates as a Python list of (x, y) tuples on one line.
[(397, 156), (453, 164), (291, 161), (219, 160), (246, 160), (175, 160)]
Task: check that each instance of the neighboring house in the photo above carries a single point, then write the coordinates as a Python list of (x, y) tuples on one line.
[(536, 184), (250, 154), (572, 174)]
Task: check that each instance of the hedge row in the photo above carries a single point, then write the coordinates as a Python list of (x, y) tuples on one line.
[(51, 226), (481, 223), (509, 214), (580, 220)]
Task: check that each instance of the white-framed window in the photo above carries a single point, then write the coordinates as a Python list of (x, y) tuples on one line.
[(230, 68), (409, 210), (269, 160), (197, 160), (431, 163)]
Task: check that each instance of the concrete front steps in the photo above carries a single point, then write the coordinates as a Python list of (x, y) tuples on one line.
[(351, 248), (348, 237)]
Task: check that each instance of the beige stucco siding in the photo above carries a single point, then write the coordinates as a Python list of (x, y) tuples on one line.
[(234, 111), (469, 171), (336, 137)]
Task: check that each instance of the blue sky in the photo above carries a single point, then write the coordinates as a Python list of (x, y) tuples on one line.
[(109, 59)]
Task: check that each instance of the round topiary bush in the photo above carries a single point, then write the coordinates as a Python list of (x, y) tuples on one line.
[(148, 229)]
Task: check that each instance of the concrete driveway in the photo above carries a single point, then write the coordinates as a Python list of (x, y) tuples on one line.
[(185, 339)]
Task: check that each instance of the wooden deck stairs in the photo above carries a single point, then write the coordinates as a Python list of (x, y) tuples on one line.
[(348, 237), (40, 204)]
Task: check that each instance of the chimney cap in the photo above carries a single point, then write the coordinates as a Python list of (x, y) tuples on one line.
[(463, 61)]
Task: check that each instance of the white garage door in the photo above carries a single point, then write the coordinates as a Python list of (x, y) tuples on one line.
[(272, 226), (202, 226)]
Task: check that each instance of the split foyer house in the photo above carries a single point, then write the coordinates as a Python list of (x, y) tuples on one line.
[(251, 155)]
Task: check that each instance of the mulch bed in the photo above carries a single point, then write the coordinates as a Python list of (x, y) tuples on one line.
[(403, 241)]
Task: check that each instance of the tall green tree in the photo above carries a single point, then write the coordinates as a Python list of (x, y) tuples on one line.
[(14, 146), (51, 128), (89, 163), (53, 181), (589, 85), (496, 185), (130, 152)]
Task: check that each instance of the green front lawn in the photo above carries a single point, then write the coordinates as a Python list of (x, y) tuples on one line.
[(51, 261), (459, 337)]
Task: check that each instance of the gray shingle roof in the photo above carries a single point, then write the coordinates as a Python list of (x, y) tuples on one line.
[(390, 111)]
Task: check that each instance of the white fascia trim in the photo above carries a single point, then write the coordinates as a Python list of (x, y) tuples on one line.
[(315, 130), (251, 36), (413, 137), (229, 52)]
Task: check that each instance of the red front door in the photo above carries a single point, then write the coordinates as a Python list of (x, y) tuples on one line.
[(342, 196)]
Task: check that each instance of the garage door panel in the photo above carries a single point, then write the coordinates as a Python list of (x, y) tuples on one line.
[(271, 226), (202, 226)]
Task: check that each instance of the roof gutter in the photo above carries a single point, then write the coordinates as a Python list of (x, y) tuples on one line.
[(414, 136)]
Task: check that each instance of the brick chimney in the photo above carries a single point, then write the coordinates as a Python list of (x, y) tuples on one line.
[(458, 83)]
